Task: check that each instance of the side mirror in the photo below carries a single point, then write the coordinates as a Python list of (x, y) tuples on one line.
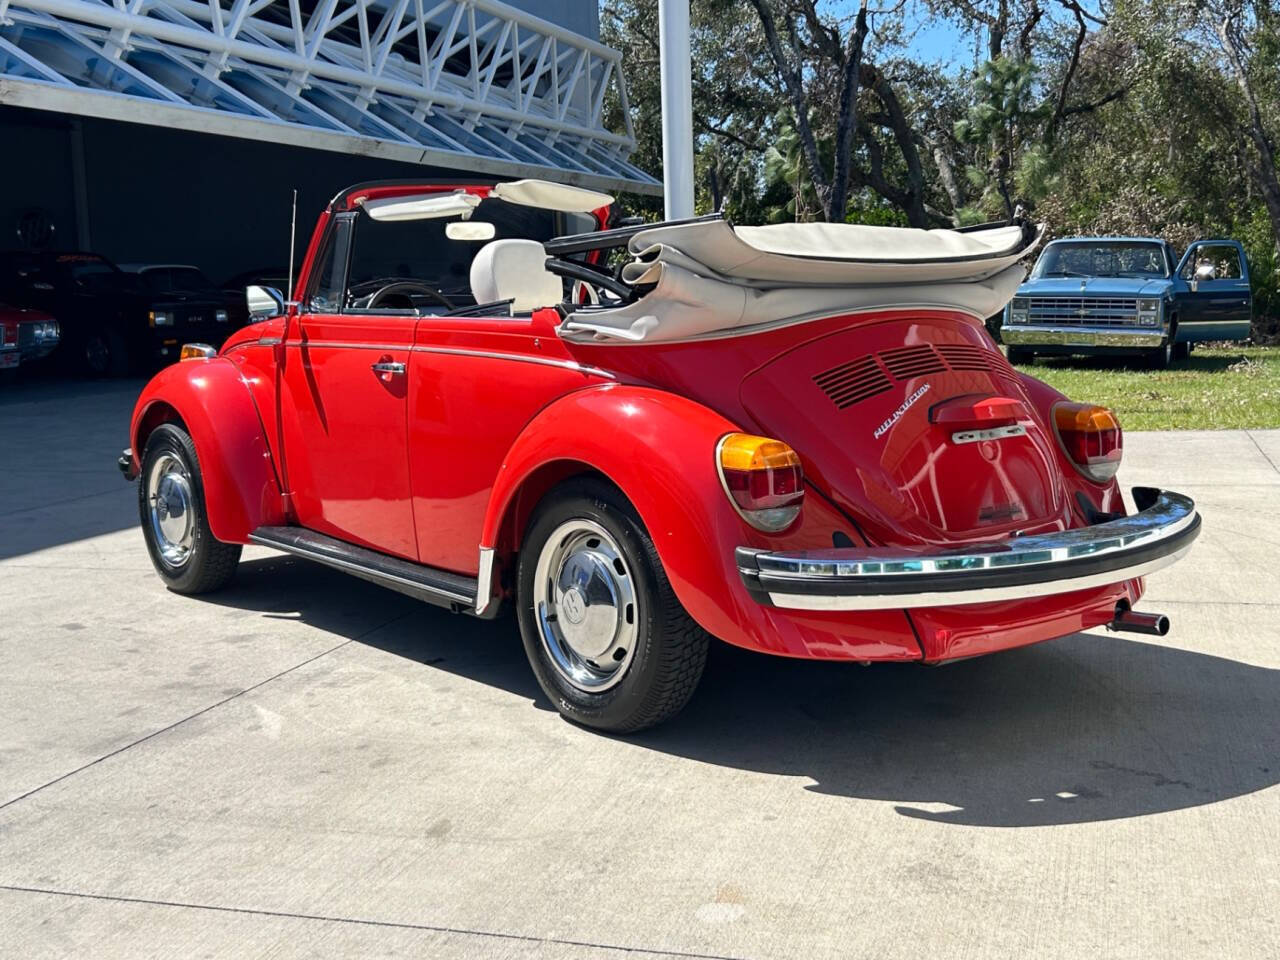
[(264, 302)]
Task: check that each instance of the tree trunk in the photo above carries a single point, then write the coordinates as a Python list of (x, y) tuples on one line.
[(1265, 170), (847, 122)]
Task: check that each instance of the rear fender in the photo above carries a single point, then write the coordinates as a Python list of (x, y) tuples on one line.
[(1102, 498), (659, 450), (212, 402)]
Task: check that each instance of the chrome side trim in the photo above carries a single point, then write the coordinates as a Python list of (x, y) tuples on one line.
[(545, 361), (573, 365), (484, 581)]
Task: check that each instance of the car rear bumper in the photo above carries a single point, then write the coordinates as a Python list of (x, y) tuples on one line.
[(1040, 335), (883, 578)]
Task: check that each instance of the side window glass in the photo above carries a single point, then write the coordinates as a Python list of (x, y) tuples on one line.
[(1213, 262), (327, 287)]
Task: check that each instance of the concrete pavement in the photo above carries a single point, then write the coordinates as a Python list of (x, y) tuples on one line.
[(308, 765)]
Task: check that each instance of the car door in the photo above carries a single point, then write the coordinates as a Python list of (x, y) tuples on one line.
[(1214, 299), (343, 382)]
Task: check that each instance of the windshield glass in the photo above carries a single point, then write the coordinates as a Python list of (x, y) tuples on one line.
[(164, 279), (429, 269), (1106, 258), (91, 273)]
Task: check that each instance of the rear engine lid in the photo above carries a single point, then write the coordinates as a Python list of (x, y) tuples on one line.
[(918, 427)]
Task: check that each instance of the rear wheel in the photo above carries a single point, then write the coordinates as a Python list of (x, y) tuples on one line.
[(1023, 355), (607, 639), (174, 521)]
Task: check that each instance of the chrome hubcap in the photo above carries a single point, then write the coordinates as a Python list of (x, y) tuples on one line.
[(586, 606), (172, 522)]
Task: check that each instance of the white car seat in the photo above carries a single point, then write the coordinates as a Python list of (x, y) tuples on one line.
[(515, 270)]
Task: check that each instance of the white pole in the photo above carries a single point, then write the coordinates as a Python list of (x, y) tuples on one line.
[(677, 109)]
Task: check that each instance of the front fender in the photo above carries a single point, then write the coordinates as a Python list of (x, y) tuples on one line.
[(214, 405), (659, 450)]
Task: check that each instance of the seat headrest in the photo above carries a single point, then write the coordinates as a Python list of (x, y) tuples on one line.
[(515, 270)]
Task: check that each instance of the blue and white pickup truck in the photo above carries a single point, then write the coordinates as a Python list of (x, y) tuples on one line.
[(1123, 295)]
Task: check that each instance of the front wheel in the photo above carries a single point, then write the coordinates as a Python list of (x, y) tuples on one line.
[(1162, 356), (174, 520), (608, 641), (105, 353)]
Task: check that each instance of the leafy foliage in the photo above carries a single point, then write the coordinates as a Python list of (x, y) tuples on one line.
[(1122, 117)]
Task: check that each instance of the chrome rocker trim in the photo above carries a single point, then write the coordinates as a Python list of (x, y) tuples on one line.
[(884, 578)]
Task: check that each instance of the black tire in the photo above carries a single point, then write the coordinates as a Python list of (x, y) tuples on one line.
[(208, 564), (1181, 352), (105, 353), (669, 649), (1160, 357), (1022, 355)]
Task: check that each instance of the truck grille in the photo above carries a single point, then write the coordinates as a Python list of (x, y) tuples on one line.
[(1085, 311)]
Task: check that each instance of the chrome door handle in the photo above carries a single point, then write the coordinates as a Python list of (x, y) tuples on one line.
[(384, 367)]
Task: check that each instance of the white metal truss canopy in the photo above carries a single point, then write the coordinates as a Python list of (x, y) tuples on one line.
[(470, 84)]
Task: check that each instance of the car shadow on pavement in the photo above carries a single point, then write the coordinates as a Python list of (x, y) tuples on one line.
[(1082, 729)]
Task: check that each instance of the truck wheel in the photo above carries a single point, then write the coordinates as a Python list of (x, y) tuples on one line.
[(106, 354), (1021, 355), (1181, 351), (609, 643), (174, 520)]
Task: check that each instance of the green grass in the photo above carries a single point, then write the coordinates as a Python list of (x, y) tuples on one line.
[(1218, 388)]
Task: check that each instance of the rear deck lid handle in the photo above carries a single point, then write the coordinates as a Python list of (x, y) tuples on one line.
[(977, 410)]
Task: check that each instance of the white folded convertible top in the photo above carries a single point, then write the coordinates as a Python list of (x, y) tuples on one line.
[(710, 278)]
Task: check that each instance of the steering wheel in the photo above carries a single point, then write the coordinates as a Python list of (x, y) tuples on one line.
[(593, 278), (407, 288)]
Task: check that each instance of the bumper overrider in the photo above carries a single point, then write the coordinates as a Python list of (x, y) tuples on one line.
[(881, 578)]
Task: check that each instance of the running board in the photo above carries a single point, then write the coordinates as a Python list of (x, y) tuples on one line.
[(440, 587)]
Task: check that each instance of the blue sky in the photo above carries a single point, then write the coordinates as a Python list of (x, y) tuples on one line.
[(931, 37)]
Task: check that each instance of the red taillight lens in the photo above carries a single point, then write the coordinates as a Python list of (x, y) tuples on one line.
[(1091, 438), (763, 479)]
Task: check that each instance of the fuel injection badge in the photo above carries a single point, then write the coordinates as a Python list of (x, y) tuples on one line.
[(898, 414)]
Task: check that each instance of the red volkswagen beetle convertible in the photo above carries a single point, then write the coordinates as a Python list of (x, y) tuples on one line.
[(798, 439)]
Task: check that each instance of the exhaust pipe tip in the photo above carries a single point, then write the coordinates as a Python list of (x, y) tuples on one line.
[(1132, 621)]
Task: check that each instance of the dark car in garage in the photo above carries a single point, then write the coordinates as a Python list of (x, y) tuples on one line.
[(189, 282), (111, 323)]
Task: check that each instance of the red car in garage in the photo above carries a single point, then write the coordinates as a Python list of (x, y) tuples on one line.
[(798, 439), (25, 335)]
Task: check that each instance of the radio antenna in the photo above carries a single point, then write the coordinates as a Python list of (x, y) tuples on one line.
[(293, 232)]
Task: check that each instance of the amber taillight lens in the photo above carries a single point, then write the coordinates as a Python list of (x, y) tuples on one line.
[(763, 480), (1090, 437)]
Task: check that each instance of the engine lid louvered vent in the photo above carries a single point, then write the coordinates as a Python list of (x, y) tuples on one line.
[(857, 380), (907, 362), (853, 382), (964, 356)]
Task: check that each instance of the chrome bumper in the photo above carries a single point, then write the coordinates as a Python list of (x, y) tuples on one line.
[(1039, 335), (881, 578)]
